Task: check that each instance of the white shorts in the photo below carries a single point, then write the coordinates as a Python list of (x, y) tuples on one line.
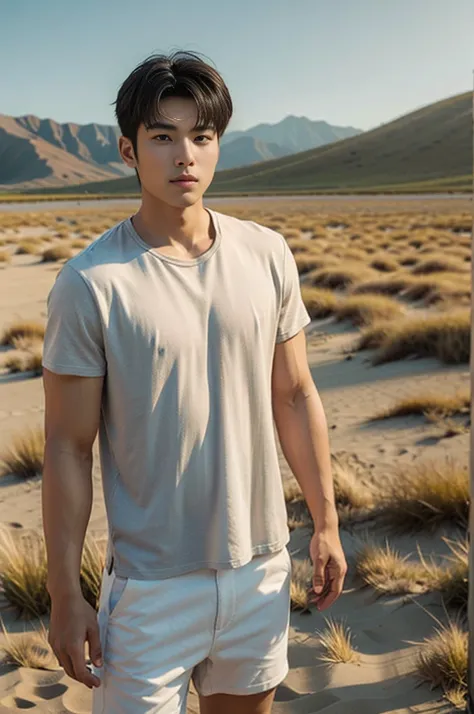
[(227, 630)]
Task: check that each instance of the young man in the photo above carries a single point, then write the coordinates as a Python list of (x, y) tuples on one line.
[(178, 335)]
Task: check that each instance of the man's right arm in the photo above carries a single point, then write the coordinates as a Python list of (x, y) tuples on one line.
[(72, 413)]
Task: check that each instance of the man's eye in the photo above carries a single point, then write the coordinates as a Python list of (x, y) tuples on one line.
[(160, 136), (202, 136)]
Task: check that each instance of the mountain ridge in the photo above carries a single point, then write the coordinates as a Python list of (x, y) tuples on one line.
[(37, 153)]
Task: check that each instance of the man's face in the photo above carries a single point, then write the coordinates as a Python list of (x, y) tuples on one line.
[(165, 152)]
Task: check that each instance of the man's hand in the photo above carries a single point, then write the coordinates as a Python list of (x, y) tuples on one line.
[(329, 568), (73, 622)]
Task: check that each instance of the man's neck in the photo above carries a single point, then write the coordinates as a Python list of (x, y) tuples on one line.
[(180, 232)]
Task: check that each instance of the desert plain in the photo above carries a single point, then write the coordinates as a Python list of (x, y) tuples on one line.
[(387, 282)]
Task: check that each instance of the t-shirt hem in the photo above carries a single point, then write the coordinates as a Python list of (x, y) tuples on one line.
[(72, 369), (294, 330), (198, 565)]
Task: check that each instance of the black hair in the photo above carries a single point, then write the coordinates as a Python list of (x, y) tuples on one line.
[(180, 74)]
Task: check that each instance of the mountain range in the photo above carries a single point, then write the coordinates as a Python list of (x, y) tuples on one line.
[(427, 150), (39, 153)]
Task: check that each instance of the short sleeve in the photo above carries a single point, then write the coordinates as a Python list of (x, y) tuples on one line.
[(73, 342), (293, 313)]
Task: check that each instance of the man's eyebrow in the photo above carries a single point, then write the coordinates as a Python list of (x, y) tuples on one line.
[(172, 127), (161, 125)]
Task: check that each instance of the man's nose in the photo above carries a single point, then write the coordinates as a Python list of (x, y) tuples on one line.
[(185, 154)]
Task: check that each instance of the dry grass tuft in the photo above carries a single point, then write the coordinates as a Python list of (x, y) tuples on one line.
[(29, 246), (439, 264), (80, 243), (341, 276), (308, 261), (28, 361), (444, 405), (384, 264), (385, 570), (388, 286), (292, 491), (452, 581), (5, 257), (23, 328), (364, 310), (424, 496), (445, 336), (57, 252), (373, 336), (433, 289), (24, 457), (354, 497), (336, 641), (23, 572), (408, 259), (442, 659), (319, 302), (30, 650), (301, 579)]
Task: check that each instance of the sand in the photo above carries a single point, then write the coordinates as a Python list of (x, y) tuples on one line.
[(383, 680)]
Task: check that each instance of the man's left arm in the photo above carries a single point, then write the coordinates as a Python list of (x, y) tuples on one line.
[(302, 429)]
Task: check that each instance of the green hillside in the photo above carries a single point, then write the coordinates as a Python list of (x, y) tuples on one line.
[(427, 150)]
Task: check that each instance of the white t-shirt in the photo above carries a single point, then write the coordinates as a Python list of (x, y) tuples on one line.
[(187, 444)]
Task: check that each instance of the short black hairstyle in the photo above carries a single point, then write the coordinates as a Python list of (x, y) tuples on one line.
[(179, 74)]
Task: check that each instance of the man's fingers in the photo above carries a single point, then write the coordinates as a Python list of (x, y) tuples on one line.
[(95, 651), (329, 596), (319, 575), (81, 673)]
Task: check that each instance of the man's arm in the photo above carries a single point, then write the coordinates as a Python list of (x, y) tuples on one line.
[(302, 429), (72, 412)]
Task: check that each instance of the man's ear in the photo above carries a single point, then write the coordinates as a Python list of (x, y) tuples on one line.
[(126, 152)]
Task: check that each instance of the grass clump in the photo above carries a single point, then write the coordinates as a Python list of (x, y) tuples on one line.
[(385, 570), (452, 581), (445, 336), (438, 265), (57, 252), (292, 491), (340, 277), (5, 257), (23, 328), (319, 302), (433, 289), (364, 310), (336, 642), (301, 578), (442, 660), (307, 262), (79, 243), (444, 405), (387, 286), (384, 264), (424, 496), (29, 246), (25, 456), (23, 573), (30, 650), (28, 361), (353, 496)]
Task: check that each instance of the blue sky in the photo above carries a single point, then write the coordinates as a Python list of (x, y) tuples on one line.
[(349, 62)]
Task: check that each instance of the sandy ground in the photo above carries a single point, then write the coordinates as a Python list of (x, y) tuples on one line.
[(352, 390)]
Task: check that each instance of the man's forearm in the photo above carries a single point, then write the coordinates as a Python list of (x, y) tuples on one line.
[(302, 429), (66, 504)]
